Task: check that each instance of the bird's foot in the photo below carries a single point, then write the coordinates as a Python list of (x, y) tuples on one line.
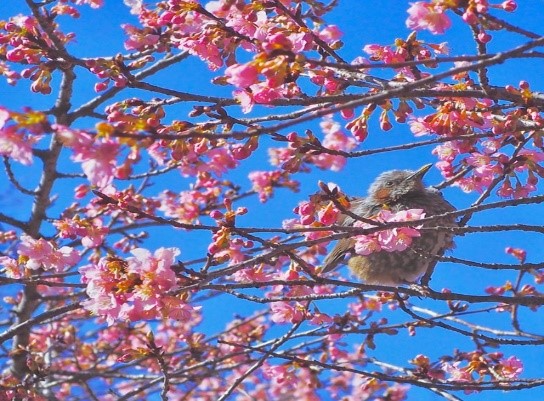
[(422, 290)]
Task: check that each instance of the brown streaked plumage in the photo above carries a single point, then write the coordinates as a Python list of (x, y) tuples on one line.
[(397, 190)]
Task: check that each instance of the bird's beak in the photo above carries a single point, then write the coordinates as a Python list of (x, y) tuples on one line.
[(421, 172)]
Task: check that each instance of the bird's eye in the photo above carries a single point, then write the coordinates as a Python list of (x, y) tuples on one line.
[(389, 184)]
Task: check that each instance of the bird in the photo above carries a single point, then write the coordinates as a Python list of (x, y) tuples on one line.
[(396, 190)]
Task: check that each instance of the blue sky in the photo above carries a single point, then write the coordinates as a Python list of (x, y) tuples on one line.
[(362, 22)]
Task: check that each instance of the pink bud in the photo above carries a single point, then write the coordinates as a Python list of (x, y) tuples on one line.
[(511, 89), (153, 121), (241, 152), (484, 37), (509, 5), (10, 27), (292, 137), (120, 82), (101, 86), (306, 208), (80, 191), (241, 210), (216, 214), (307, 219), (27, 72), (347, 113), (385, 125), (15, 55), (470, 17), (518, 253)]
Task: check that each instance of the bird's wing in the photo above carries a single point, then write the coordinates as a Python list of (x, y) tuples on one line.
[(337, 254), (439, 199), (354, 205), (343, 245)]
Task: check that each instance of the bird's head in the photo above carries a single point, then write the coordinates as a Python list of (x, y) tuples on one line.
[(393, 185)]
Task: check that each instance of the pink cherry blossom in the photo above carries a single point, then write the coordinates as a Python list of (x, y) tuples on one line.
[(306, 210), (39, 253), (155, 267), (280, 374), (264, 182), (242, 75), (245, 99), (366, 244), (262, 93), (139, 39), (284, 312), (389, 240), (4, 117), (335, 139), (511, 367), (92, 232), (330, 34), (509, 5), (134, 5), (456, 373), (135, 288), (10, 267), (427, 16), (397, 239), (384, 53), (518, 253), (15, 145), (328, 214), (97, 158), (185, 206)]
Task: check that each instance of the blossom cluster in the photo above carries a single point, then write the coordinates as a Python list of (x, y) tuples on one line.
[(23, 41), (392, 239), (19, 132), (432, 15), (92, 231), (498, 156), (473, 366), (35, 254), (215, 31), (319, 211), (469, 367), (303, 152), (186, 206), (223, 245), (136, 288), (97, 156), (264, 182)]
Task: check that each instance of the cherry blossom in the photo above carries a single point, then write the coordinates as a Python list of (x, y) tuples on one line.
[(134, 289), (389, 240), (92, 232), (511, 367), (283, 312), (40, 253), (427, 16)]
